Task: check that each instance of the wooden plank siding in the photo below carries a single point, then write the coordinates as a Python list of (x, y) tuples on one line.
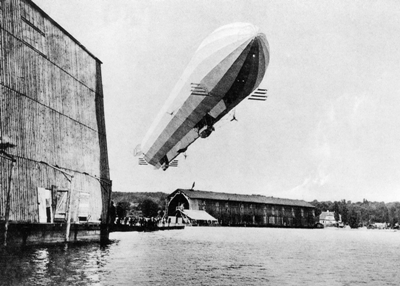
[(51, 108), (237, 213)]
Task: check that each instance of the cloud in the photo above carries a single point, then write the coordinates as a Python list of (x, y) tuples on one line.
[(313, 185), (336, 140)]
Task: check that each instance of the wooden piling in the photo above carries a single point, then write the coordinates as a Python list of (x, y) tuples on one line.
[(7, 214), (68, 211)]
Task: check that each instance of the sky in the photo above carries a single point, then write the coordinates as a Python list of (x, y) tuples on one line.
[(329, 130)]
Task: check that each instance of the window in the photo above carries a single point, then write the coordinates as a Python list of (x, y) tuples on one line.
[(45, 205), (61, 205), (52, 205)]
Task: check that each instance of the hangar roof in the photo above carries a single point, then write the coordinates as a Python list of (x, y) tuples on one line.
[(260, 199)]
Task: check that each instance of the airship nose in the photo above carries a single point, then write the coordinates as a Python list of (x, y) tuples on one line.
[(253, 30), (244, 29), (232, 33)]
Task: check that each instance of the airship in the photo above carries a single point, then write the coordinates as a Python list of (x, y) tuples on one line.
[(227, 68)]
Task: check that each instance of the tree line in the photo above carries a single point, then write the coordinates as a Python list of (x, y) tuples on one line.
[(361, 213), (139, 204), (353, 214)]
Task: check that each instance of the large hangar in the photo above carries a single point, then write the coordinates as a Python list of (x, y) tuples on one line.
[(239, 209)]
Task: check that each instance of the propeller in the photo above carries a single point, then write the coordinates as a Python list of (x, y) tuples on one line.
[(234, 116)]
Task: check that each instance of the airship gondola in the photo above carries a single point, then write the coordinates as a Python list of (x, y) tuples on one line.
[(228, 66)]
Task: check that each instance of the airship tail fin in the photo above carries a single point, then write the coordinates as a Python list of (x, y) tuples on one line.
[(165, 163), (138, 150), (198, 89), (142, 161), (259, 94), (174, 163)]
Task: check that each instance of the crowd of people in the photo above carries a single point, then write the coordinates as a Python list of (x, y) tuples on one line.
[(117, 217)]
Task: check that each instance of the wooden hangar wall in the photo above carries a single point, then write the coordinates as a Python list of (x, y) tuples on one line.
[(51, 109), (235, 213)]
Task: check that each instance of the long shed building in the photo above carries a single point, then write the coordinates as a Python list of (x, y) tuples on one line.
[(238, 209), (54, 172)]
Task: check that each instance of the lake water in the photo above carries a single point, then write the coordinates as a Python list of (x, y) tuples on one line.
[(214, 256)]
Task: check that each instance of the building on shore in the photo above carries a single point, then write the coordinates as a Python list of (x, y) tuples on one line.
[(237, 209), (54, 174), (328, 219)]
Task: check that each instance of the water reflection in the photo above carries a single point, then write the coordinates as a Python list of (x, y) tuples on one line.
[(213, 256), (61, 264)]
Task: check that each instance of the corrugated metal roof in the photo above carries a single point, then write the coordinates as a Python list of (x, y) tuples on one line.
[(260, 199)]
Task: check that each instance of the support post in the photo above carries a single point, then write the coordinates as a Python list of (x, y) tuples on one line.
[(104, 229), (104, 235), (7, 214), (68, 210), (53, 200)]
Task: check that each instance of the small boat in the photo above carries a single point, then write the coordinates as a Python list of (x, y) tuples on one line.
[(318, 225)]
